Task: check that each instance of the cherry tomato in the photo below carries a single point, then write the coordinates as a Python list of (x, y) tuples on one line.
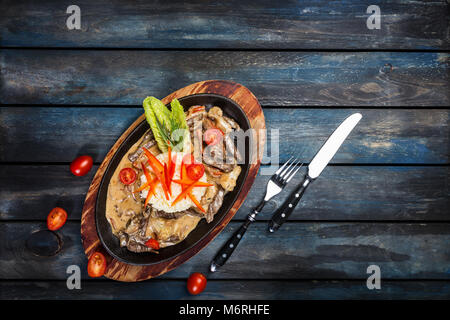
[(212, 136), (196, 283), (96, 265), (56, 218), (127, 176), (152, 243), (81, 165), (195, 171)]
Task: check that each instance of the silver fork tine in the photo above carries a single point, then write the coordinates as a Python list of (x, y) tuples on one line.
[(287, 169), (288, 174), (282, 167), (293, 173)]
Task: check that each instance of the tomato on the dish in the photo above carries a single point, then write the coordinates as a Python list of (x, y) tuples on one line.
[(212, 136), (195, 171), (56, 218), (81, 165), (127, 176), (96, 265), (196, 283), (152, 243)]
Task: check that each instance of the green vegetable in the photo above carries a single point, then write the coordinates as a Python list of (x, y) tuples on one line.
[(169, 127)]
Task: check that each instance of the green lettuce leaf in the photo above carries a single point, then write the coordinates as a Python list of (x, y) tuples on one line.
[(167, 126), (158, 117)]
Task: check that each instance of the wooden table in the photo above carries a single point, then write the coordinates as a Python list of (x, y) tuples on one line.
[(384, 200)]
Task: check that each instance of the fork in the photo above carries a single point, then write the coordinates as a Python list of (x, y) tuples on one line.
[(277, 182)]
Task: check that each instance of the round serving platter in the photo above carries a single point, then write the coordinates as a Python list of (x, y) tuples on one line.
[(120, 270)]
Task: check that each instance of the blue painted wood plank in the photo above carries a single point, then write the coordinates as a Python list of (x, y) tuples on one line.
[(297, 251), (231, 290), (341, 193), (110, 77), (231, 24), (59, 134)]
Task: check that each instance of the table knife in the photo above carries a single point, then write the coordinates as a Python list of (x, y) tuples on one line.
[(315, 168)]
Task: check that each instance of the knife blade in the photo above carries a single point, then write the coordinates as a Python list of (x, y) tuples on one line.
[(315, 168), (331, 146)]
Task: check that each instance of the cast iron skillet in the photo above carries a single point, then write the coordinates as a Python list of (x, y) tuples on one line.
[(111, 242)]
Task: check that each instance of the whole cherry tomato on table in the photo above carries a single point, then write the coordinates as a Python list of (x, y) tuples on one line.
[(56, 218), (196, 283), (127, 176), (81, 165), (96, 265)]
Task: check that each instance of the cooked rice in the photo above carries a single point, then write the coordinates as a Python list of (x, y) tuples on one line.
[(159, 201)]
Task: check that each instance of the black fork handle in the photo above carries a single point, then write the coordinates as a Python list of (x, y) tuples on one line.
[(228, 248), (283, 213)]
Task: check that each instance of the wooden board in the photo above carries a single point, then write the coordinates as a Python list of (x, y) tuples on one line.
[(119, 77), (59, 134), (343, 193), (301, 250), (123, 272), (232, 24)]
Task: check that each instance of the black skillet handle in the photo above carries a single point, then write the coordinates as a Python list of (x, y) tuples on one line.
[(283, 213)]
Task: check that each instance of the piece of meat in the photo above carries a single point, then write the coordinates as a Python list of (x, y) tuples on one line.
[(194, 114), (207, 198), (215, 205), (213, 172), (208, 124), (133, 225), (232, 154), (216, 114), (232, 123), (167, 215), (147, 142), (231, 149), (123, 239), (197, 140), (228, 180), (137, 247), (214, 156), (195, 213)]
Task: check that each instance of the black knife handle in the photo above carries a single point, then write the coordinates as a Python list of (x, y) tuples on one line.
[(283, 213)]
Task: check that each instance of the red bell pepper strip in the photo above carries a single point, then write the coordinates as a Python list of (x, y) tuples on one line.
[(158, 169), (168, 168), (151, 184), (166, 177), (173, 165), (195, 201), (196, 183), (188, 190)]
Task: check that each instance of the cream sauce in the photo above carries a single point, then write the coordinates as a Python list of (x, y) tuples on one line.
[(120, 202)]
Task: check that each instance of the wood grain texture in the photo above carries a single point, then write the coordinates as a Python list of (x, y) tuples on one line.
[(56, 134), (120, 271), (230, 290), (231, 24), (374, 193), (299, 250), (121, 77)]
